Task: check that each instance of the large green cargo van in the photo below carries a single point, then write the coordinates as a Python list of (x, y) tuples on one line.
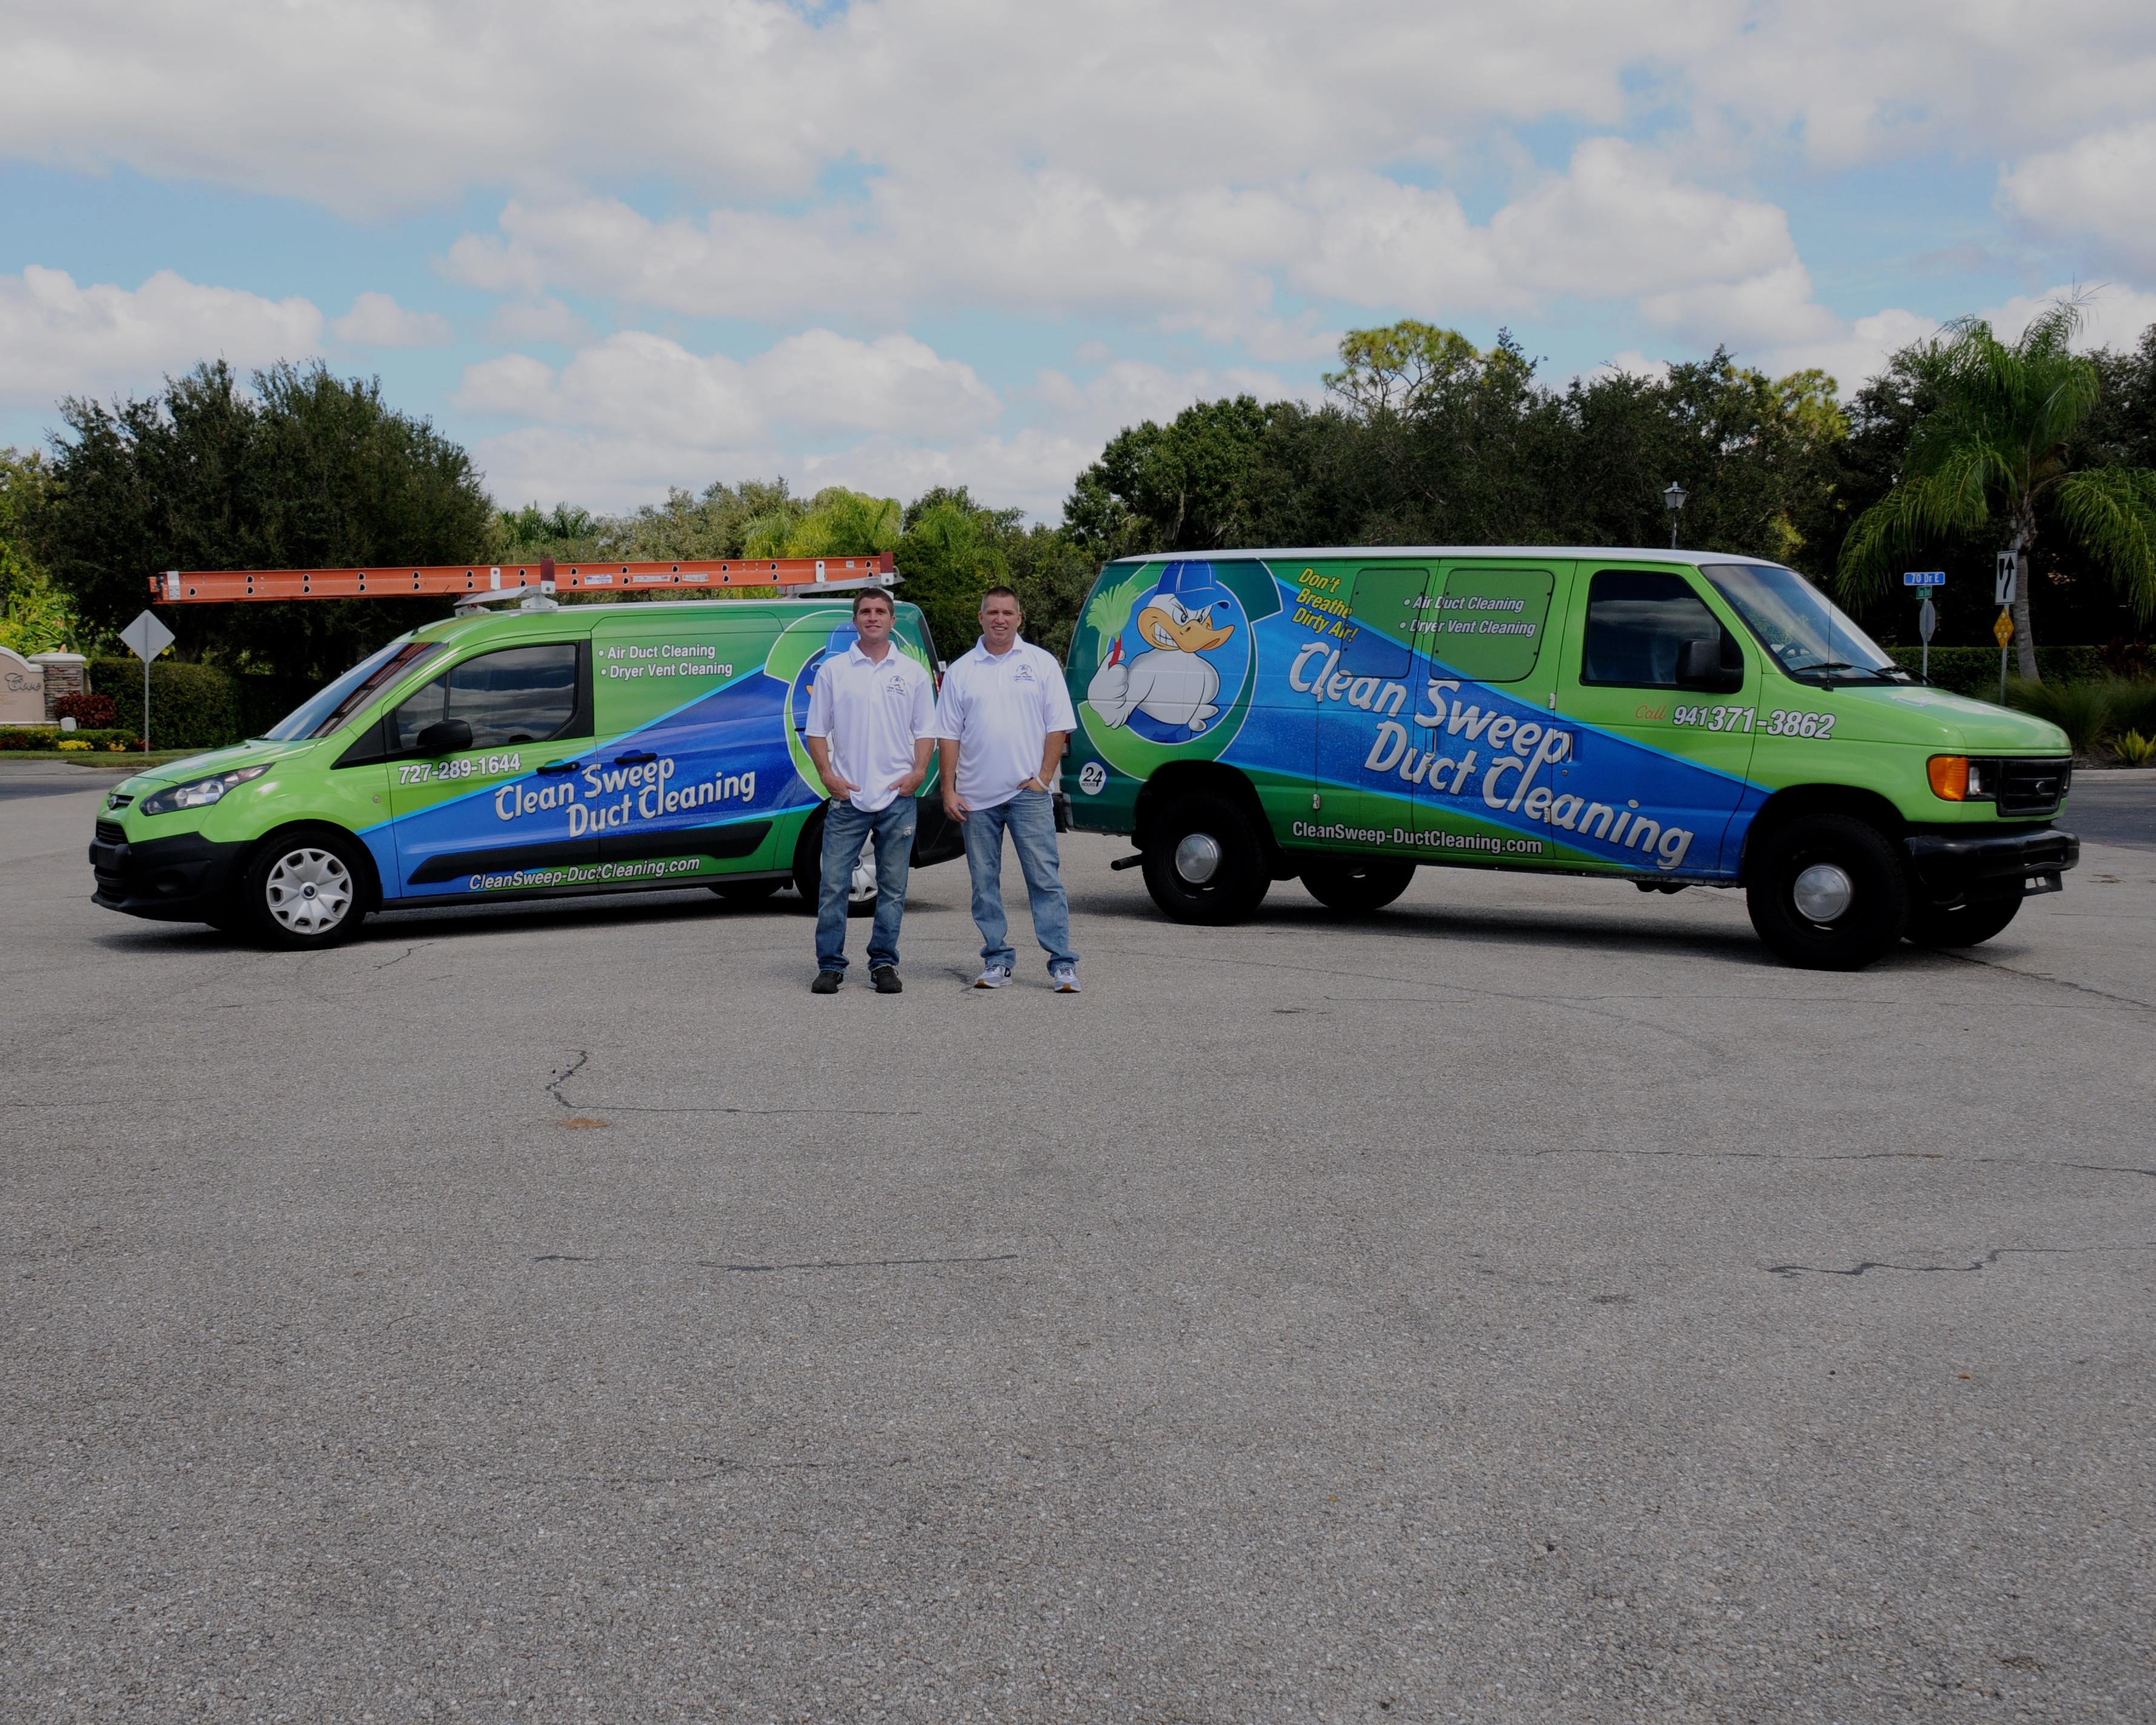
[(1676, 719), (546, 751)]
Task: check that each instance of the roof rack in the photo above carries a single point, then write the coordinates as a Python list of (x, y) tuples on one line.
[(481, 584)]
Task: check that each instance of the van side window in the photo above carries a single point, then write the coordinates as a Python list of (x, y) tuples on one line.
[(517, 695), (1638, 622), (1388, 608), (1489, 624)]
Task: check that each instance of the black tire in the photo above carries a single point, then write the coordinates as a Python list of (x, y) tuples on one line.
[(306, 889), (1358, 887), (1947, 925), (746, 892), (809, 869), (1875, 901), (1237, 880)]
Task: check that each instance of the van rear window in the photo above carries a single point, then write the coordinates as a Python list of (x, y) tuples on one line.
[(1489, 624)]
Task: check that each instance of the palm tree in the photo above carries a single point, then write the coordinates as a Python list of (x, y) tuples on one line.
[(1994, 445)]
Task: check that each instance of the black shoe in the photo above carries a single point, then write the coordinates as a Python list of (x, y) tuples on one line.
[(886, 979), (827, 981)]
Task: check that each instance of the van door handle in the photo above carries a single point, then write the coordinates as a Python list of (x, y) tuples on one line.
[(561, 766), (637, 758)]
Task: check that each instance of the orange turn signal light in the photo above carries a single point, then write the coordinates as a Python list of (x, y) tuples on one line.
[(1949, 775)]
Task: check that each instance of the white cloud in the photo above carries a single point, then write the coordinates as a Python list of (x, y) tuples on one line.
[(637, 382), (1617, 223), (1852, 352), (2112, 315), (59, 339), (541, 320), (1856, 352), (2099, 186), (823, 381), (377, 321), (753, 98), (1031, 470)]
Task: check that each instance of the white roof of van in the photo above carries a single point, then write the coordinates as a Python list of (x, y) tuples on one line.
[(1291, 553)]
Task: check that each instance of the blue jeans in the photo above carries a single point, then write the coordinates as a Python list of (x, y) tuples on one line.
[(1031, 818), (844, 827)]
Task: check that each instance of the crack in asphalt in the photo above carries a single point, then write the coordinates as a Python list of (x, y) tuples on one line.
[(2085, 1167), (556, 1085), (726, 1465), (2038, 976), (855, 1264), (807, 1263), (1790, 1272)]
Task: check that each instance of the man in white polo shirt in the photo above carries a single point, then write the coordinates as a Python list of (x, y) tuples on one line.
[(1003, 717), (872, 729)]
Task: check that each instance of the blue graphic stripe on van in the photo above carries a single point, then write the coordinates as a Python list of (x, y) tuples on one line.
[(730, 741)]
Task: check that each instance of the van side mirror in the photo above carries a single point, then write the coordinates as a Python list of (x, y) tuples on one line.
[(1700, 666), (446, 737)]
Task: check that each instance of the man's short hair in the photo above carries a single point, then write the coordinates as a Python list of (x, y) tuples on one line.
[(877, 593), (1003, 593)]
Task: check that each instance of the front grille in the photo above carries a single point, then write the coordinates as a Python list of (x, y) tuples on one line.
[(2034, 787), (111, 832)]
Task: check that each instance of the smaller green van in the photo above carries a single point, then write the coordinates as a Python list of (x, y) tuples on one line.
[(549, 750), (1343, 716)]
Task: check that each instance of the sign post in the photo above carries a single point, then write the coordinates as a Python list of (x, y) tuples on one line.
[(2004, 583), (1928, 616), (148, 637)]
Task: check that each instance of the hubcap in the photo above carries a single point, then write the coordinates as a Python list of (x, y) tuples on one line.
[(1823, 892), (861, 884), (309, 892), (1197, 857)]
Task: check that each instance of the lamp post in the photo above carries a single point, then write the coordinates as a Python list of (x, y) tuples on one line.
[(1673, 500)]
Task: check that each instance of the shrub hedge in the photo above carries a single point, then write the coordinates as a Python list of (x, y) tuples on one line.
[(192, 707), (91, 712), (1974, 670)]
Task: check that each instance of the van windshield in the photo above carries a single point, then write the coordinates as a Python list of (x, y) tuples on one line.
[(323, 712), (1811, 637)]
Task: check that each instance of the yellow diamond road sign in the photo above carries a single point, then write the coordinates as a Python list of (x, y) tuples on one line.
[(2003, 630)]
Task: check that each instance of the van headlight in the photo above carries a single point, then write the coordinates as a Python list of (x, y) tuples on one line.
[(199, 793), (1957, 778)]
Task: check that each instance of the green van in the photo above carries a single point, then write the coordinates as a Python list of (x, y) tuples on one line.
[(1674, 719), (545, 750)]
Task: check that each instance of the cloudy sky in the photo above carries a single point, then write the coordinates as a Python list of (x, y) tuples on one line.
[(622, 246)]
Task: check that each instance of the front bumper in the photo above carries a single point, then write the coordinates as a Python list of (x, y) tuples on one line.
[(1954, 869), (186, 878)]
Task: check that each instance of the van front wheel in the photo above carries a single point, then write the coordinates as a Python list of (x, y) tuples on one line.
[(1828, 892), (1357, 887), (1205, 864), (306, 889)]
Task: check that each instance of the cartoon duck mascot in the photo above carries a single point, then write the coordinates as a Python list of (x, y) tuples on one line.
[(1169, 682)]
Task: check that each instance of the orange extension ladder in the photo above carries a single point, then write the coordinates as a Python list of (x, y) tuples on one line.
[(479, 584)]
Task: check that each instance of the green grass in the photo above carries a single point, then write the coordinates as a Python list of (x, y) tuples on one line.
[(101, 759)]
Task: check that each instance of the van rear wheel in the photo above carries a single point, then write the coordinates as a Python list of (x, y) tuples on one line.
[(304, 889), (1205, 864), (1358, 887), (1828, 892), (1948, 926)]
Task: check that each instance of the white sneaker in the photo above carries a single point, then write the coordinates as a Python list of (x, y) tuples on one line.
[(994, 976), (1064, 976)]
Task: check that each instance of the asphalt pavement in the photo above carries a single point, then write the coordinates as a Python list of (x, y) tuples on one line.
[(1530, 1303)]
